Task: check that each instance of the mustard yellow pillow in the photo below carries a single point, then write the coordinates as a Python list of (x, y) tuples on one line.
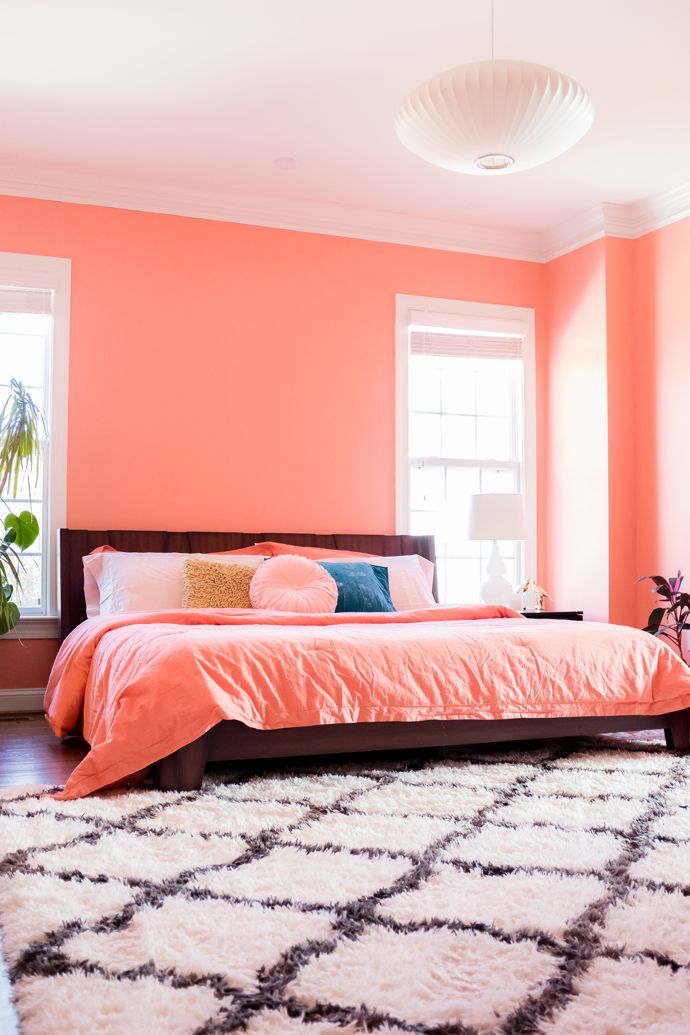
[(214, 584)]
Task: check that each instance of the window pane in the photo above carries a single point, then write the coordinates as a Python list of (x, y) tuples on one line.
[(494, 438), (25, 323), (23, 357), (459, 386), (458, 545), (462, 581), (450, 535), (24, 341), (425, 384), (425, 523), (458, 437), (427, 488), (505, 479), (461, 483), (425, 434), (29, 486), (434, 523), (30, 576), (495, 388)]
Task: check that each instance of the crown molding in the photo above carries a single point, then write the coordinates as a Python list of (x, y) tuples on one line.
[(318, 217), (605, 220), (662, 209), (614, 220), (573, 233), (619, 220)]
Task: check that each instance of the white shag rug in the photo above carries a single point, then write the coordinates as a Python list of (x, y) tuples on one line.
[(545, 892)]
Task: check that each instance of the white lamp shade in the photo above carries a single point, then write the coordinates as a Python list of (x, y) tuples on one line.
[(526, 113), (497, 515)]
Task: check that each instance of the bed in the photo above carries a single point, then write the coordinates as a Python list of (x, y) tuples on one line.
[(664, 690)]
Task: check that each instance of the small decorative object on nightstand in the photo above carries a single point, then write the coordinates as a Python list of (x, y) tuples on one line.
[(533, 596), (571, 616)]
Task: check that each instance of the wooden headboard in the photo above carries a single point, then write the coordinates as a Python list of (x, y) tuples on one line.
[(75, 543)]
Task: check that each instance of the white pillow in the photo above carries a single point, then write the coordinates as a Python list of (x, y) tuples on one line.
[(142, 581), (428, 567), (407, 582), (91, 594)]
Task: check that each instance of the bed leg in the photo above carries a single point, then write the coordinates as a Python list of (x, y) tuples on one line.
[(183, 770), (678, 733)]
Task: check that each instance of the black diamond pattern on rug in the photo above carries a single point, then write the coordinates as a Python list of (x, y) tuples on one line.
[(540, 891)]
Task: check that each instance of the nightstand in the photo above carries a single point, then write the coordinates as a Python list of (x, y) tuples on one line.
[(571, 616)]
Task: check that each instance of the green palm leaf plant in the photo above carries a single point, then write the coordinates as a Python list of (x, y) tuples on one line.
[(20, 450)]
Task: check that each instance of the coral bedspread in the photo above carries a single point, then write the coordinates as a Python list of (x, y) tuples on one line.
[(145, 684)]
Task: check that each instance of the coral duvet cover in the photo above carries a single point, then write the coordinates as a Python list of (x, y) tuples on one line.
[(143, 685)]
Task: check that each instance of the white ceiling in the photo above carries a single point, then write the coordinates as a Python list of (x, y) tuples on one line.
[(203, 95)]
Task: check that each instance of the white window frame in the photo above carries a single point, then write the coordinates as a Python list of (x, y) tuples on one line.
[(473, 317), (53, 274)]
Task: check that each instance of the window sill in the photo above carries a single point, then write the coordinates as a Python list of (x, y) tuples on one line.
[(34, 628)]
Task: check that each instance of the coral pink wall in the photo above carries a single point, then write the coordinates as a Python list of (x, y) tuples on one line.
[(621, 424), (26, 663), (662, 412), (229, 376), (614, 491), (226, 376), (574, 472)]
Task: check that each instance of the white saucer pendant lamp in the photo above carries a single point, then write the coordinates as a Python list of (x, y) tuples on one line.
[(494, 117)]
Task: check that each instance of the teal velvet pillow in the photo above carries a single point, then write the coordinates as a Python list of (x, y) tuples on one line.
[(361, 587)]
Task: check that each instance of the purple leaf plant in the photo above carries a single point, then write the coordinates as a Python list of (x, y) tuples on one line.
[(673, 616)]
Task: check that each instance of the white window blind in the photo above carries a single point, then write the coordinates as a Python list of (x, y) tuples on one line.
[(457, 344), (26, 300), (26, 338), (463, 432)]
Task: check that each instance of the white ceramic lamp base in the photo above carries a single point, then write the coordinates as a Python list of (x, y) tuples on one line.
[(496, 589)]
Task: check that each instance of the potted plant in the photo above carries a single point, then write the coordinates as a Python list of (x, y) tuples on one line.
[(673, 616), (20, 450)]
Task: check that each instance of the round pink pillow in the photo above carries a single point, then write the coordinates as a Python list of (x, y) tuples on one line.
[(290, 583)]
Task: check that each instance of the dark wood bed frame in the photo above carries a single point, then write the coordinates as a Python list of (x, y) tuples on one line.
[(231, 741)]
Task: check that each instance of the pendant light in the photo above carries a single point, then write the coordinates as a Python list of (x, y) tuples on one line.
[(493, 117)]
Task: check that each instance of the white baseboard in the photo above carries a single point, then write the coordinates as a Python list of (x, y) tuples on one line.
[(18, 702)]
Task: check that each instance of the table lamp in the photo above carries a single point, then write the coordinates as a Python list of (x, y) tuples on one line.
[(497, 515)]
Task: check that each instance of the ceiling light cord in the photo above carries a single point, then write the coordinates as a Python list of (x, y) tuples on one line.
[(493, 71), (492, 32)]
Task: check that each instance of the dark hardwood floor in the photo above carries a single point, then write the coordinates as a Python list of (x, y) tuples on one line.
[(30, 753)]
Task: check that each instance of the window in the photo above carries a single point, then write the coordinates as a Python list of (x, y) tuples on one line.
[(465, 424), (34, 336)]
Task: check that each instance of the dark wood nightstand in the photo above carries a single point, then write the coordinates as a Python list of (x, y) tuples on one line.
[(571, 616)]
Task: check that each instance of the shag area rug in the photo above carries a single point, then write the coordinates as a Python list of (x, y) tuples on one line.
[(545, 891)]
